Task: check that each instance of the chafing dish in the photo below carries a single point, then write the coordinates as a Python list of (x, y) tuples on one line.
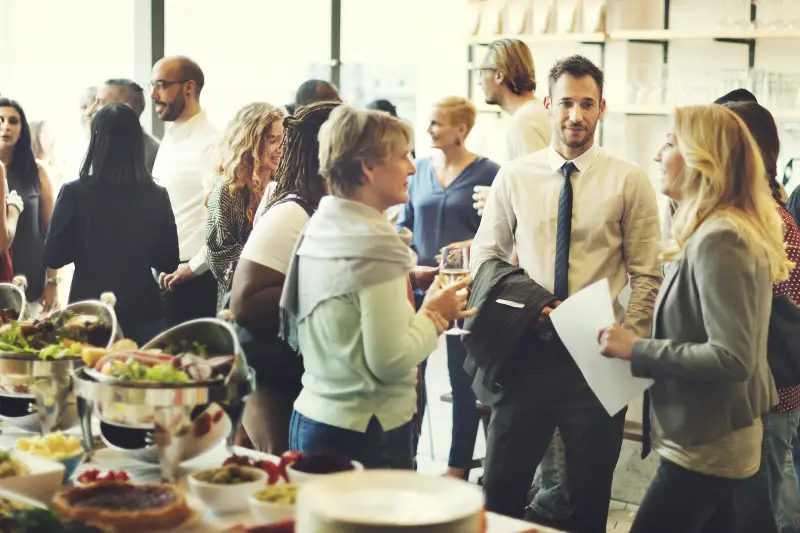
[(35, 394), (166, 423)]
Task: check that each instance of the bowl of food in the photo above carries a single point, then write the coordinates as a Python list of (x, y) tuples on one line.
[(274, 504), (226, 489), (30, 476), (64, 449), (302, 468)]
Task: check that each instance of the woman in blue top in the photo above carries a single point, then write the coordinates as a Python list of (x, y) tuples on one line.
[(439, 212)]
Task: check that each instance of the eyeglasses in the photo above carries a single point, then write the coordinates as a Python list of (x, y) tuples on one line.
[(160, 85), (481, 69)]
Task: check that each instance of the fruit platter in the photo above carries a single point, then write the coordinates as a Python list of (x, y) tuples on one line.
[(37, 358), (171, 400)]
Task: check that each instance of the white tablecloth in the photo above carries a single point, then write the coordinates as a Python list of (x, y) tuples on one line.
[(211, 523)]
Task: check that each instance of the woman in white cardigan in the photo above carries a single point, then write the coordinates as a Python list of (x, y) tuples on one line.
[(346, 303)]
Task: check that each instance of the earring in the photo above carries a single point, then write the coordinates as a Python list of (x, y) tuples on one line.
[(458, 142)]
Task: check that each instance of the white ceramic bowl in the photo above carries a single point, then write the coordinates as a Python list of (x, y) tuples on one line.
[(224, 499), (300, 478), (42, 481), (270, 512)]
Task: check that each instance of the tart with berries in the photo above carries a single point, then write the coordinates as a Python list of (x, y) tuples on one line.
[(124, 507)]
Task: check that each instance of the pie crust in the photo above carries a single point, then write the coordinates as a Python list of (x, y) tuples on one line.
[(124, 507)]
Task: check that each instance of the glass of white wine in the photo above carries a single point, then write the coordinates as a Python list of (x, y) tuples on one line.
[(454, 268)]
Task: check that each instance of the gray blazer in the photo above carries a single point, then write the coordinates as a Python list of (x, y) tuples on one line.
[(708, 354)]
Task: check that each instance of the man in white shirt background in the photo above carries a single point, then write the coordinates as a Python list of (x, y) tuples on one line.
[(575, 215), (184, 166), (508, 79)]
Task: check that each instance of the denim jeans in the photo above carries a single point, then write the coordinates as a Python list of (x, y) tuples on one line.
[(757, 498), (789, 501), (375, 448), (551, 499), (683, 501), (465, 415)]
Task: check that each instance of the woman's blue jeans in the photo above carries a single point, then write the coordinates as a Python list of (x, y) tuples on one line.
[(375, 448)]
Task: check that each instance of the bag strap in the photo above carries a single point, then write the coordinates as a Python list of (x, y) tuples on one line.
[(302, 202)]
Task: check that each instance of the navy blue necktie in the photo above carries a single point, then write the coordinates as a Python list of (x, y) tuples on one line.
[(564, 229)]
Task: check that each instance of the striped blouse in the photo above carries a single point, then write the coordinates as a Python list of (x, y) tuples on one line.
[(227, 229)]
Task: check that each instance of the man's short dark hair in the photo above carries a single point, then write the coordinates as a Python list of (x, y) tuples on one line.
[(737, 95), (190, 71), (316, 91), (383, 105), (576, 66), (131, 91)]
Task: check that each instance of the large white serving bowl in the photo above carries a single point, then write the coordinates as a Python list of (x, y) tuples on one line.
[(388, 501)]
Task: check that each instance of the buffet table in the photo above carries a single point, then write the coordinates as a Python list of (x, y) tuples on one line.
[(139, 472)]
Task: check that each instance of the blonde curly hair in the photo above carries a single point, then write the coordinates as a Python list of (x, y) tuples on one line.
[(724, 176), (240, 152)]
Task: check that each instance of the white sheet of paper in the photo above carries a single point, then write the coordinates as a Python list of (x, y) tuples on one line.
[(577, 321)]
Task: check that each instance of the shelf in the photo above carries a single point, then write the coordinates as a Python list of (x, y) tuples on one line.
[(685, 35), (642, 35), (646, 110), (594, 38)]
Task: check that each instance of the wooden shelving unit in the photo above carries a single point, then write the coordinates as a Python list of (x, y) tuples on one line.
[(592, 38), (697, 35), (644, 35), (646, 110)]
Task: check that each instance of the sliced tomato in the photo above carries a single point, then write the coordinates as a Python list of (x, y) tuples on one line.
[(273, 471)]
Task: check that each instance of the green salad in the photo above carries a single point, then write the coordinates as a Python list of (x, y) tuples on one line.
[(161, 373), (64, 335)]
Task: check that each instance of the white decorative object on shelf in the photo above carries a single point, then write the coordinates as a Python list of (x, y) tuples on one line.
[(543, 15), (519, 17), (568, 16), (474, 17), (594, 16)]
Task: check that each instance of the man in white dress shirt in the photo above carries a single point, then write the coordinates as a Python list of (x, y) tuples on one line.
[(575, 215), (184, 166)]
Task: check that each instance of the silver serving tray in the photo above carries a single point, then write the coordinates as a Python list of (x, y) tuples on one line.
[(12, 296), (45, 385), (165, 421)]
